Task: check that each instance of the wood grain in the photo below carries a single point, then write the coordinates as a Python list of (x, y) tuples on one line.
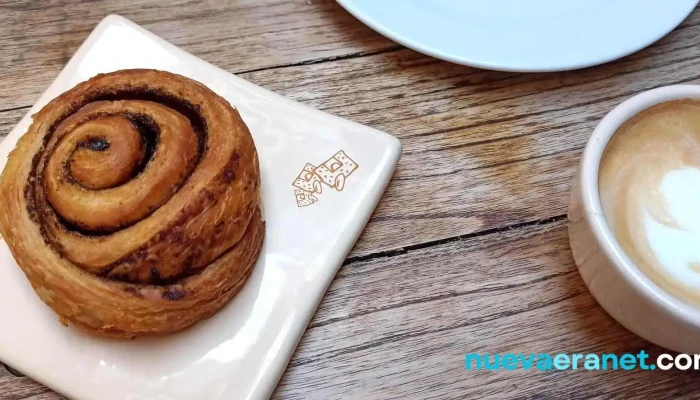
[(9, 119), (399, 327), (37, 38), (21, 388), (482, 149), (467, 251)]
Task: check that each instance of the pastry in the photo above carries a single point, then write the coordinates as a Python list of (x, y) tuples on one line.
[(131, 203)]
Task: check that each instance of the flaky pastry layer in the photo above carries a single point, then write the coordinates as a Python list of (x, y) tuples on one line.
[(131, 204)]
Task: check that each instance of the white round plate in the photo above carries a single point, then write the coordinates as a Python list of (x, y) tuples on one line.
[(523, 35)]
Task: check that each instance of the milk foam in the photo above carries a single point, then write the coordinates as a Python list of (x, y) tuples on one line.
[(677, 248), (649, 186)]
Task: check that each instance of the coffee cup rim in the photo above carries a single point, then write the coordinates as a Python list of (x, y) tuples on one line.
[(589, 169)]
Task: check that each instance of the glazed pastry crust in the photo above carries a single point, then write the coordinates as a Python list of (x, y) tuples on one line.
[(131, 204)]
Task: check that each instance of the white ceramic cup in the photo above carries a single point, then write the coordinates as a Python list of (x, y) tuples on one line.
[(615, 281)]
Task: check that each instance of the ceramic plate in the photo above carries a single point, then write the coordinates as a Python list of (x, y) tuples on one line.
[(242, 351), (520, 35)]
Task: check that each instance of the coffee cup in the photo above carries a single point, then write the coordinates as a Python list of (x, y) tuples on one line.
[(619, 283)]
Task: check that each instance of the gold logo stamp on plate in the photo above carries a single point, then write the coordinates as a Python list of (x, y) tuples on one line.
[(332, 173)]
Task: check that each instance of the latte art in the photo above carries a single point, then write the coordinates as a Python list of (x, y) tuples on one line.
[(649, 184), (676, 243)]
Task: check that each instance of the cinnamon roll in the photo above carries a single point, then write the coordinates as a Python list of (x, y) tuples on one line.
[(131, 204)]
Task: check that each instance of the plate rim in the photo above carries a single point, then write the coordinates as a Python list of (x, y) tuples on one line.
[(351, 7)]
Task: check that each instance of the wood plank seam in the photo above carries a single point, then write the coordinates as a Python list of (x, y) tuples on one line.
[(407, 249), (15, 108), (314, 61), (398, 48), (288, 65), (399, 178)]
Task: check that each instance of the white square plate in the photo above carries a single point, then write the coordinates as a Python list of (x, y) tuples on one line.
[(241, 352)]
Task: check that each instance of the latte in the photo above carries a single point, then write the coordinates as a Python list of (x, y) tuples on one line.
[(649, 184)]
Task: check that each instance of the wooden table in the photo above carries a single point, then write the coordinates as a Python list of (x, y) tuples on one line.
[(468, 249)]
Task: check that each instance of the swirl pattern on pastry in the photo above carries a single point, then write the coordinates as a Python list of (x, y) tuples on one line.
[(132, 203)]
